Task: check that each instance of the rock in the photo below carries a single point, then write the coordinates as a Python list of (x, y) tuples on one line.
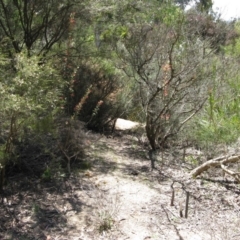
[(122, 124)]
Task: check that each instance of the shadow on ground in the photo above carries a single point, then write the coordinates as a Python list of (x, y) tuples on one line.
[(30, 208)]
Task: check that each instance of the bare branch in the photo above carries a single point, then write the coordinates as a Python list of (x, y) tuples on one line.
[(219, 161)]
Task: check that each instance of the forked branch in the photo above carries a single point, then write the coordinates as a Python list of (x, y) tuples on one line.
[(221, 162)]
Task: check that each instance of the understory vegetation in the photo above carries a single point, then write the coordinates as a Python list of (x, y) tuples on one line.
[(71, 67)]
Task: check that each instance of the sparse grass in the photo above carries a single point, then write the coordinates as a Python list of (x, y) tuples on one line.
[(107, 211), (106, 222), (192, 160), (35, 209), (85, 165), (47, 174)]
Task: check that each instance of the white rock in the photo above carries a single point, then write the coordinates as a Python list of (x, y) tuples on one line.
[(122, 124)]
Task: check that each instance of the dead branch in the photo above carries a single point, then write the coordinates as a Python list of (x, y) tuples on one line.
[(231, 173), (219, 161), (68, 157), (173, 194), (186, 205)]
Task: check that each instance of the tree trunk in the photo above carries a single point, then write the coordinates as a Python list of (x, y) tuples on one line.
[(153, 158), (2, 178)]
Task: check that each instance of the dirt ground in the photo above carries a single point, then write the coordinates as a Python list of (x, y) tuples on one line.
[(119, 197)]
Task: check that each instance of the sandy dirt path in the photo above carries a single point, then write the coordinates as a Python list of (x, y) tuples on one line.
[(136, 202)]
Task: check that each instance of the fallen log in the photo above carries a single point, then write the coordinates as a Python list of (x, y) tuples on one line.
[(221, 162)]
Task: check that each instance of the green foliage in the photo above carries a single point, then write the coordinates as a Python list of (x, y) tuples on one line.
[(192, 160), (85, 165), (221, 119), (43, 124), (205, 5), (33, 90), (47, 174), (36, 26), (29, 99), (36, 209), (225, 131), (114, 33), (31, 94), (170, 14), (2, 157), (164, 72), (233, 49), (106, 222)]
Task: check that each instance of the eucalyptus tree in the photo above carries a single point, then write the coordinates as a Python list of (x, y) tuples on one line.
[(34, 25)]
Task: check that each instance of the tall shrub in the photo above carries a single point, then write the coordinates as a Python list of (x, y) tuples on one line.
[(29, 93)]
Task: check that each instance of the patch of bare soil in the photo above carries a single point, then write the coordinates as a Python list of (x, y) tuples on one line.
[(119, 197)]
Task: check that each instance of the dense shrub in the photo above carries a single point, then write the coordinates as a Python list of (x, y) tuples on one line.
[(207, 27), (29, 99), (93, 95)]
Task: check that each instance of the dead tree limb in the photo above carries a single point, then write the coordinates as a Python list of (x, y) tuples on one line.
[(231, 173), (219, 161), (186, 205)]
